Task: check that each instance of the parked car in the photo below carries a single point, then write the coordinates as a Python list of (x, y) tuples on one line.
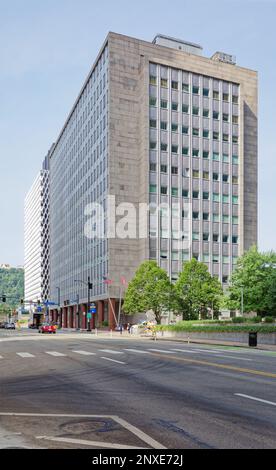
[(10, 326), (47, 328), (33, 326), (2, 324)]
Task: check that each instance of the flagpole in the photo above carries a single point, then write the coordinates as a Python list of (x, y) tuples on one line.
[(120, 305)]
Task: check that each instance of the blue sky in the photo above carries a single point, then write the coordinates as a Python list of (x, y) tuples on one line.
[(47, 48)]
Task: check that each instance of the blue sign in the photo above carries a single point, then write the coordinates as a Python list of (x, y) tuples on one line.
[(39, 309), (93, 311)]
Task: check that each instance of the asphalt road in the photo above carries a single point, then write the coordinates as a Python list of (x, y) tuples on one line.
[(77, 391)]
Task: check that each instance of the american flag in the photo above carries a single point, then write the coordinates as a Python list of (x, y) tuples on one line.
[(107, 280)]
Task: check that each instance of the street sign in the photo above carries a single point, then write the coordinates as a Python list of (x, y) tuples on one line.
[(89, 316)]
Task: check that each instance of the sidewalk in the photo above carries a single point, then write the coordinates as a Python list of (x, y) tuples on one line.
[(265, 347)]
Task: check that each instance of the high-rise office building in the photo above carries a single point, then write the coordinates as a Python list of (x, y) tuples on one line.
[(155, 123), (36, 237)]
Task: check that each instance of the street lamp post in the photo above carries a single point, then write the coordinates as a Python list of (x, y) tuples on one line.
[(60, 316), (89, 285)]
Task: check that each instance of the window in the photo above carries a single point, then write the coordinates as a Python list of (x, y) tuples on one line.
[(175, 255), (164, 147), (215, 115), (225, 219), (185, 214), (225, 117), (153, 80), (164, 104), (195, 90), (153, 123), (185, 255), (164, 125), (195, 152), (215, 237), (164, 190), (225, 198), (216, 197), (185, 130), (205, 134), (152, 188), (225, 158), (186, 172), (235, 220), (164, 168), (195, 110), (225, 178), (152, 101), (185, 150), (215, 176), (216, 218), (174, 170), (225, 97), (224, 279), (215, 259), (225, 238), (235, 240), (163, 255), (195, 173), (153, 145), (206, 175), (185, 87), (235, 99), (195, 131), (164, 83), (195, 194), (235, 159), (216, 156), (195, 236), (174, 127), (205, 216), (206, 154), (206, 258), (175, 106), (195, 256), (195, 215), (185, 108), (175, 192), (225, 138), (205, 91), (235, 119), (216, 95), (152, 166), (206, 113), (216, 135), (206, 196), (235, 199), (174, 148), (185, 193), (174, 85), (235, 139), (206, 237), (235, 260)]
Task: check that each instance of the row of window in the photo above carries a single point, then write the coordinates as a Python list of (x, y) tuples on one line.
[(195, 173), (185, 256), (164, 234), (195, 111), (195, 89), (164, 104), (195, 152), (205, 133), (185, 194)]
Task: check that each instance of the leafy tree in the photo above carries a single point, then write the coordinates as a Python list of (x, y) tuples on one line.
[(198, 291), (255, 277), (12, 285), (150, 289)]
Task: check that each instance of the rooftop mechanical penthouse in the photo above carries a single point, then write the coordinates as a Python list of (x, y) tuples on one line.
[(154, 123)]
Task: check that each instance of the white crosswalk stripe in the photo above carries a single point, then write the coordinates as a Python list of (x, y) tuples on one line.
[(25, 355), (110, 351), (137, 351), (84, 353), (55, 354)]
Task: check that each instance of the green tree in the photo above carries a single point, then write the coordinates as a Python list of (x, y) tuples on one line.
[(12, 285), (150, 289), (198, 291), (255, 278)]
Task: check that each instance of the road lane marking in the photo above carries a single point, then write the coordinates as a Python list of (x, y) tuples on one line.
[(163, 351), (235, 358), (219, 366), (186, 351), (55, 354), (255, 399), (137, 432), (84, 353), (25, 355), (104, 445), (207, 351), (110, 351), (113, 360), (138, 351)]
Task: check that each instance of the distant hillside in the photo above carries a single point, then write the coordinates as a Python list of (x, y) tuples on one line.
[(12, 285)]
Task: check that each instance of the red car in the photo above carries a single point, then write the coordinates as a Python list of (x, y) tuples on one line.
[(47, 328)]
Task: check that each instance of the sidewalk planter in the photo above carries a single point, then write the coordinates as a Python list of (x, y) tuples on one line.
[(263, 338)]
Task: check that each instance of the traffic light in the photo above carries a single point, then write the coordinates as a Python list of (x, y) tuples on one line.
[(22, 301), (4, 299)]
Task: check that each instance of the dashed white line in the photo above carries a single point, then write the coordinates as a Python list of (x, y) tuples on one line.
[(255, 399), (84, 353), (55, 354), (161, 351), (25, 355), (113, 360), (186, 351), (138, 351), (110, 351)]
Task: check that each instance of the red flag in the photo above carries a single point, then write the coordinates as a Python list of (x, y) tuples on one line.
[(107, 281), (123, 281)]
